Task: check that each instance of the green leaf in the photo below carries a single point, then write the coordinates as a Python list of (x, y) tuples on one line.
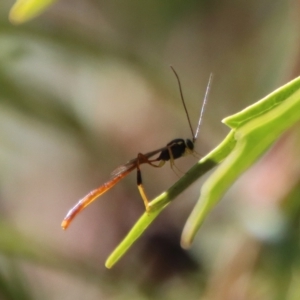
[(24, 10), (255, 129), (264, 105), (260, 126)]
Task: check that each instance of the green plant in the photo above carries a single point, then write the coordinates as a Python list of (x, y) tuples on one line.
[(253, 131)]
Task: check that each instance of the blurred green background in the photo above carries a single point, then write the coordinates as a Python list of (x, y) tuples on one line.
[(85, 87)]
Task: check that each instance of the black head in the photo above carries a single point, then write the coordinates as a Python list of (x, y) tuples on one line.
[(189, 144)]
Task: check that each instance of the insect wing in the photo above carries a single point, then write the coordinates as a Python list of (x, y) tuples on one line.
[(133, 162)]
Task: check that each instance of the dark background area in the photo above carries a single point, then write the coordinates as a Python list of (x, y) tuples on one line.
[(84, 88)]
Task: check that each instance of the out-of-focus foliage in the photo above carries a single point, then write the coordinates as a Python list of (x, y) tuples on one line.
[(85, 87), (24, 10)]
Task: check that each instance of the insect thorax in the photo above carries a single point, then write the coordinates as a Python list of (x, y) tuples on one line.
[(177, 147)]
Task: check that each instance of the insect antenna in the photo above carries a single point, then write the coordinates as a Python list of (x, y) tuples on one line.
[(203, 106), (181, 95)]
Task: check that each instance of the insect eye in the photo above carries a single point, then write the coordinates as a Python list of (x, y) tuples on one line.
[(190, 144)]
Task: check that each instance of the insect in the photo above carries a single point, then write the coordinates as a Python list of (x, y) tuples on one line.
[(173, 150)]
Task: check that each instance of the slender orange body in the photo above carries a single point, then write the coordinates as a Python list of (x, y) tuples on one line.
[(117, 175), (93, 195)]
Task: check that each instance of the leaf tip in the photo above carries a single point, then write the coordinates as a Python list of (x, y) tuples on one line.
[(14, 16), (25, 10), (187, 236), (185, 244), (109, 263)]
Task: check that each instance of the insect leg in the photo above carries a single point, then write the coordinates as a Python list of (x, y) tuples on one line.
[(143, 159), (172, 163)]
